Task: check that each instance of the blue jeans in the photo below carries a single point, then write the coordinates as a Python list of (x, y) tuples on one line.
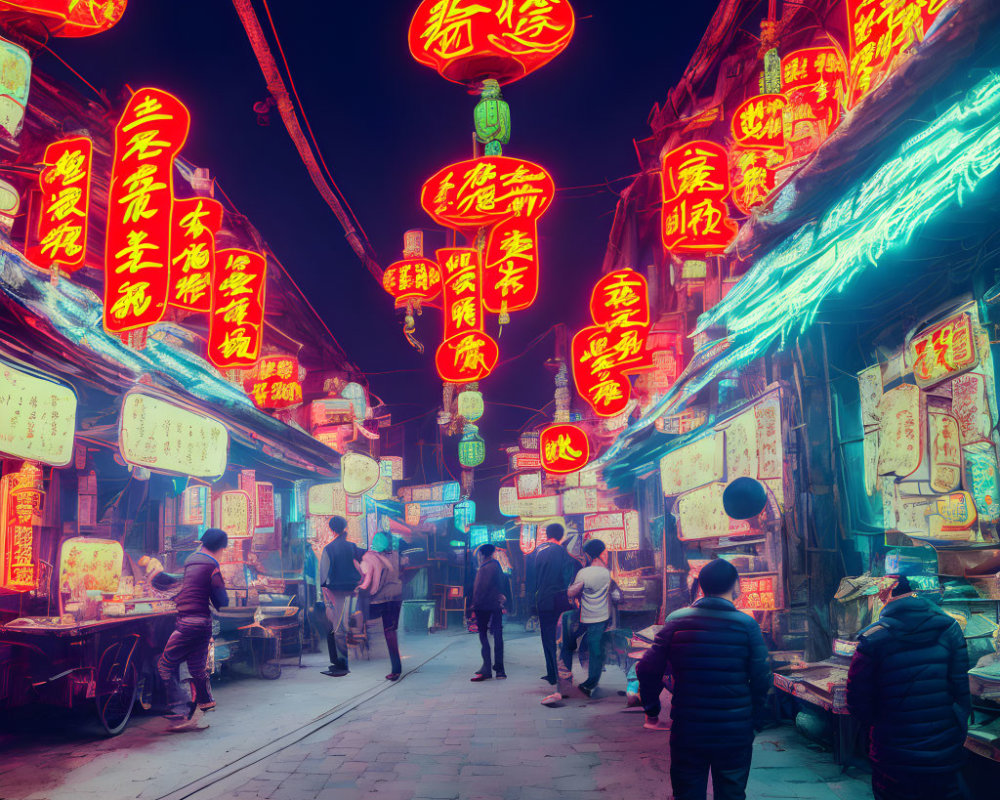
[(594, 633)]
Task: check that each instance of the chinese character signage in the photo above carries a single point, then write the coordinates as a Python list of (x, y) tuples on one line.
[(61, 233), (565, 448), (274, 382), (73, 18), (695, 183), (755, 175), (235, 513), (17, 554), (37, 418), (466, 353), (195, 221), (758, 592), (412, 279), (468, 40), (759, 122), (149, 134), (484, 191), (814, 81), (606, 353), (166, 438), (945, 351), (510, 269), (236, 322)]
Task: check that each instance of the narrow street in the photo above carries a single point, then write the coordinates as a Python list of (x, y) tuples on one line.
[(432, 735)]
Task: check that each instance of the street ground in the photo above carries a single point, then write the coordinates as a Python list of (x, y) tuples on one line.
[(431, 735)]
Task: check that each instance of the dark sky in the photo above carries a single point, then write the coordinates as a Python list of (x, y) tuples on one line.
[(385, 124)]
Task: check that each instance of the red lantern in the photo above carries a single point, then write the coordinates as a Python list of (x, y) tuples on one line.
[(274, 382), (466, 353), (412, 279), (695, 184), (69, 18), (564, 449), (815, 82), (235, 327), (65, 205), (755, 175), (510, 273), (466, 357), (149, 134), (195, 221), (759, 122), (469, 40), (484, 191)]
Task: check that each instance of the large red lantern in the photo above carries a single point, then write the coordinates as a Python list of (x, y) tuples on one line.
[(149, 134), (68, 18), (274, 382), (236, 322), (695, 184), (195, 222), (815, 82), (467, 41), (564, 448), (484, 191), (759, 122), (61, 232), (412, 279)]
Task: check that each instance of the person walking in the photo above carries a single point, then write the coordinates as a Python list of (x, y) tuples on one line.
[(555, 569), (488, 599), (718, 661), (385, 591), (908, 681), (189, 642), (339, 576)]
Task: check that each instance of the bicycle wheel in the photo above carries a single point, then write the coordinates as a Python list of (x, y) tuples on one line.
[(116, 686)]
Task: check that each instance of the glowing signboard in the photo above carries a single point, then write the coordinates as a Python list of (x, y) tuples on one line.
[(37, 417), (15, 82), (604, 354), (412, 279), (274, 382), (945, 351), (755, 172), (469, 40), (72, 18), (484, 191), (17, 553), (564, 448), (695, 185), (880, 32), (90, 564), (194, 223), (236, 323), (758, 592), (151, 131), (814, 81), (61, 231), (163, 437), (466, 353), (510, 268), (759, 121)]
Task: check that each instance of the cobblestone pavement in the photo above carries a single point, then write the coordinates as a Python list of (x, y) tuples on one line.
[(433, 735)]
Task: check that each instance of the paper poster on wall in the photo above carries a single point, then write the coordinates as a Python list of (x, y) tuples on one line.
[(945, 452), (902, 442), (971, 408), (700, 514), (235, 514), (871, 447), (533, 507), (770, 459), (981, 479), (508, 501), (326, 499), (870, 388), (580, 501), (264, 510), (693, 465), (741, 446), (529, 484)]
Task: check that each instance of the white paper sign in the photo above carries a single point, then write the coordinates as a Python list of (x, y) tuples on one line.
[(37, 418)]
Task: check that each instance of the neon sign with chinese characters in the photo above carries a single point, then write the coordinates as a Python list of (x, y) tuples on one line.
[(65, 205), (466, 353), (510, 270), (236, 322), (23, 506), (759, 122), (149, 134), (564, 449), (755, 171), (607, 352), (72, 18), (814, 81), (468, 40), (412, 279), (943, 352), (195, 222), (695, 184), (274, 382)]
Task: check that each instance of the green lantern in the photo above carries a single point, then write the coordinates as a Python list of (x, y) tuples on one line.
[(471, 448), (492, 118), (470, 405)]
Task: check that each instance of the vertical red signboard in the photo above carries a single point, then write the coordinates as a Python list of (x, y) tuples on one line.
[(236, 322), (65, 205), (23, 505), (510, 271), (695, 183), (194, 223), (149, 134), (466, 354)]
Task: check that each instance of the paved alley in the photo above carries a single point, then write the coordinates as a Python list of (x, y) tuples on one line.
[(432, 735)]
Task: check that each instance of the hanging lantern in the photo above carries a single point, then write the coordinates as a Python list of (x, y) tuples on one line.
[(472, 448), (66, 18), (564, 449), (492, 118), (471, 406)]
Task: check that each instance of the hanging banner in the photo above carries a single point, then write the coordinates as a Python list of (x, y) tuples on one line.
[(814, 81), (510, 268), (755, 175), (902, 412), (150, 133), (695, 185), (466, 353), (60, 235), (17, 549), (870, 387), (194, 223), (235, 329), (759, 122), (981, 478)]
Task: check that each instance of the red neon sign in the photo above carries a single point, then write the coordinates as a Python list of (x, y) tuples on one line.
[(194, 223), (65, 206), (469, 40), (71, 18), (466, 353), (484, 191), (149, 134), (759, 121), (606, 353), (274, 382), (814, 81), (695, 185), (23, 505), (510, 271), (755, 175), (412, 279), (235, 328), (564, 449), (946, 350)]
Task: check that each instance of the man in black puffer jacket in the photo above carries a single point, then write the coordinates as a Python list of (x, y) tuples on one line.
[(909, 682), (718, 660)]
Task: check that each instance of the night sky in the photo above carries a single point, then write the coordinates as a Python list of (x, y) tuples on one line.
[(384, 124)]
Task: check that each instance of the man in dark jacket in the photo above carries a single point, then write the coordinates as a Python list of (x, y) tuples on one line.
[(718, 660), (339, 577), (555, 570), (193, 631), (488, 599), (909, 682)]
